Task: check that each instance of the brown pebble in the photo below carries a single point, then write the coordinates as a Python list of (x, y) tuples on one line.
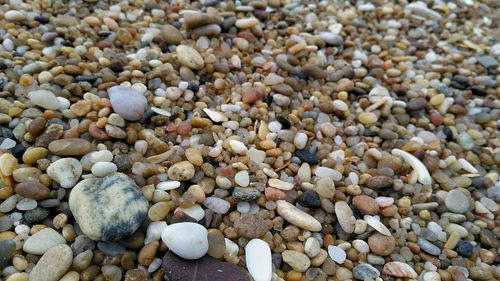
[(32, 189), (365, 204), (381, 245), (148, 253), (70, 147)]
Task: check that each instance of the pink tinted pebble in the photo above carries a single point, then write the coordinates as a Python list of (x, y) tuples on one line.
[(384, 201)]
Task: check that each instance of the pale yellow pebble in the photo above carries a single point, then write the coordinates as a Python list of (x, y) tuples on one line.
[(70, 276), (18, 276), (367, 118), (194, 156), (437, 99)]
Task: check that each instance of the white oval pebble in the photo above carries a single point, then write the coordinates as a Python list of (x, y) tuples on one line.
[(242, 178), (168, 185), (186, 239), (153, 233), (279, 184), (258, 260), (26, 204), (377, 225), (102, 169), (45, 99), (337, 254), (323, 172), (217, 205), (238, 147)]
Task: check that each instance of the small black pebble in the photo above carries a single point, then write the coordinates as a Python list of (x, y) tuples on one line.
[(309, 199), (307, 156), (42, 19), (284, 122), (464, 248)]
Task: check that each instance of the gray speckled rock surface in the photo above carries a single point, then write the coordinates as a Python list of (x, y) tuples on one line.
[(109, 208)]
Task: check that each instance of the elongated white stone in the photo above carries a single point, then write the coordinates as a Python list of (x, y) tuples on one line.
[(215, 115), (279, 184), (377, 225), (337, 254), (168, 185), (467, 166), (258, 260), (297, 217), (423, 175)]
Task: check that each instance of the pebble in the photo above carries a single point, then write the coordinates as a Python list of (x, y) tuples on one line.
[(242, 178), (428, 246), (297, 217), (365, 271), (181, 237), (103, 169), (337, 254), (258, 260), (298, 261), (365, 204), (189, 57), (65, 171), (127, 102), (70, 147), (108, 208), (377, 224), (345, 216), (217, 205), (246, 23), (464, 248), (53, 264), (42, 241), (457, 202), (181, 171), (381, 245), (307, 157), (399, 269), (238, 147), (309, 199), (312, 247), (7, 248), (32, 189), (245, 194), (324, 172), (250, 226), (45, 99)]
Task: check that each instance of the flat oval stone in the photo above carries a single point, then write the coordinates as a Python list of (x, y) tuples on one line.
[(189, 57), (457, 202), (345, 216), (108, 208), (206, 268), (186, 239), (258, 260), (45, 99), (181, 171), (42, 241), (53, 264), (32, 189), (217, 205), (297, 260), (364, 270), (127, 102), (297, 217), (70, 147)]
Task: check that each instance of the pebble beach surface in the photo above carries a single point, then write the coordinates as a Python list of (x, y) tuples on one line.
[(264, 140)]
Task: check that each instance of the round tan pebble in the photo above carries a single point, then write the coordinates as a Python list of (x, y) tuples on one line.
[(33, 154), (8, 164), (70, 276), (158, 211), (367, 118), (148, 253), (20, 263), (60, 221), (194, 156), (18, 276), (293, 276), (197, 193), (189, 57), (381, 245), (365, 204)]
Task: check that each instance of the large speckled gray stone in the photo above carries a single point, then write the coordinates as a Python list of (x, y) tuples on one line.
[(109, 208)]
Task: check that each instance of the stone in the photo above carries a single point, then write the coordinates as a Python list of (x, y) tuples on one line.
[(375, 222), (127, 102), (186, 239), (309, 199), (428, 247), (32, 189), (365, 204), (297, 260), (457, 202), (45, 99), (8, 164), (216, 244), (255, 155), (258, 260), (297, 217), (189, 57), (109, 208), (181, 171), (307, 157), (102, 169), (367, 118), (345, 216), (171, 34), (53, 264), (365, 271), (7, 248), (487, 62), (399, 269), (242, 178), (324, 172), (325, 188), (250, 226), (42, 241), (416, 104), (279, 184), (238, 147), (464, 248), (337, 254), (65, 171), (420, 8), (246, 23), (381, 245), (70, 147), (217, 205), (245, 194), (377, 182), (206, 268)]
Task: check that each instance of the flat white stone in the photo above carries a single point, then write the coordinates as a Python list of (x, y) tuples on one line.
[(215, 115), (337, 254), (217, 205), (161, 111), (258, 259), (300, 141), (297, 217), (238, 147), (186, 239), (257, 156), (377, 225), (323, 172), (242, 178), (168, 185), (45, 99), (345, 216), (102, 169), (423, 175), (65, 171)]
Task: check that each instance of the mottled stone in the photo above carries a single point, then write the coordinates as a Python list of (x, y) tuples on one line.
[(53, 264), (250, 226), (108, 208)]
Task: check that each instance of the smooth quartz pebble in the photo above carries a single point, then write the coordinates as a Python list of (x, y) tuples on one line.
[(297, 260), (279, 184), (242, 178), (186, 239), (181, 171), (53, 264), (258, 259), (127, 102), (217, 205), (102, 169), (328, 172), (153, 233), (297, 217), (45, 99), (377, 225), (238, 147), (337, 254), (168, 185), (65, 171), (42, 241), (345, 216), (456, 201)]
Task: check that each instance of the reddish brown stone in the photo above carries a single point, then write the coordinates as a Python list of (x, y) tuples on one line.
[(32, 189)]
